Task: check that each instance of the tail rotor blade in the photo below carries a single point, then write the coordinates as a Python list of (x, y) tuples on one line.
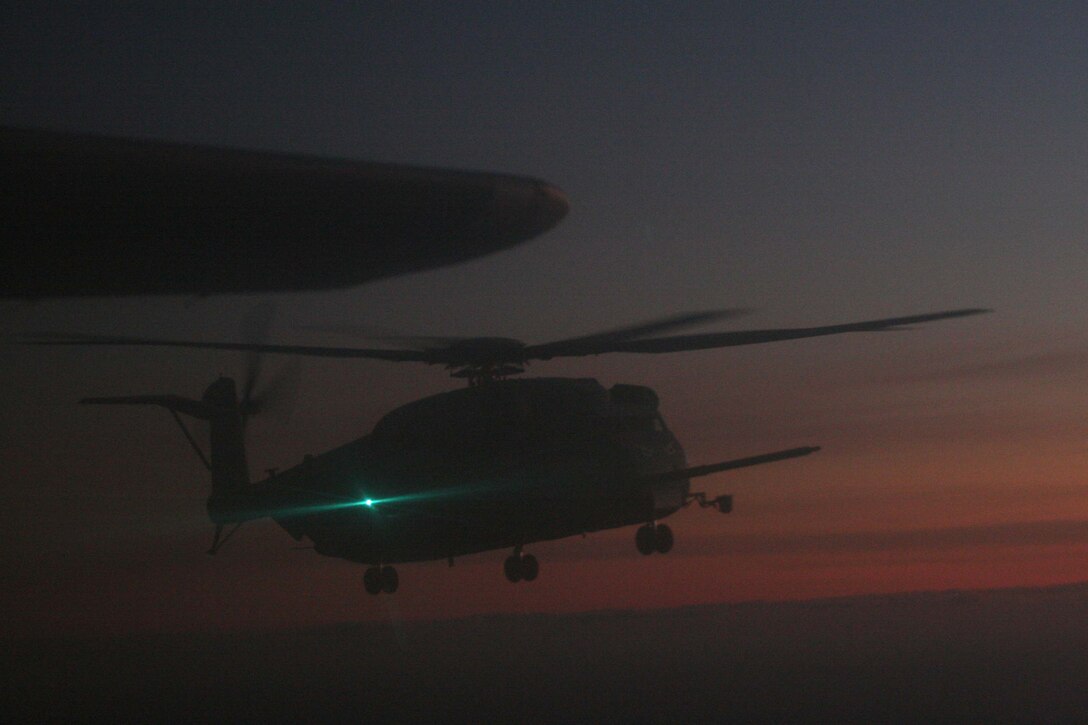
[(279, 394), (255, 329)]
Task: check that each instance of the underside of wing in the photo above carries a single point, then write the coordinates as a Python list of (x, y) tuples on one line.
[(89, 215)]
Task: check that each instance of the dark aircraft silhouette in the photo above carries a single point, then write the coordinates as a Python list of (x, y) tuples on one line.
[(498, 465), (85, 215)]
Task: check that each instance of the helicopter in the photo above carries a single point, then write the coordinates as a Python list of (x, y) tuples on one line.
[(499, 464)]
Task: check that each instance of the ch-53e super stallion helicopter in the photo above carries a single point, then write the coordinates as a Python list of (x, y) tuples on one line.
[(500, 464)]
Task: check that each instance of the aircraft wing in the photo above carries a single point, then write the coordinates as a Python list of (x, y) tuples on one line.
[(730, 465), (86, 215)]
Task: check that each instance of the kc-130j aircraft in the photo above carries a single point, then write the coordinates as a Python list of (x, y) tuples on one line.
[(86, 215), (500, 464)]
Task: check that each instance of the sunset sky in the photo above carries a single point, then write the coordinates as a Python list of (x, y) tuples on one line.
[(814, 164)]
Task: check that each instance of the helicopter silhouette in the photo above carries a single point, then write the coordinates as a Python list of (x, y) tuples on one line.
[(500, 464)]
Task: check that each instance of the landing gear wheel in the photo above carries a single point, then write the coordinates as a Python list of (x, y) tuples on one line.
[(662, 539), (389, 579), (521, 568), (529, 567), (645, 540), (512, 568), (372, 580)]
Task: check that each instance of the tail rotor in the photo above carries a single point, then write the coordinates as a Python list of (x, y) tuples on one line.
[(276, 393)]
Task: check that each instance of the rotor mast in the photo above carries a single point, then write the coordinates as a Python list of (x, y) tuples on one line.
[(479, 375)]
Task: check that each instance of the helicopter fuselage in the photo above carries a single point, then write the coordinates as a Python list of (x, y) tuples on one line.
[(489, 467)]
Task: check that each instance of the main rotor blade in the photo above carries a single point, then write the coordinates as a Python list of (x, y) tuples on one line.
[(574, 345), (432, 342), (679, 343), (339, 352), (386, 336), (510, 350)]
